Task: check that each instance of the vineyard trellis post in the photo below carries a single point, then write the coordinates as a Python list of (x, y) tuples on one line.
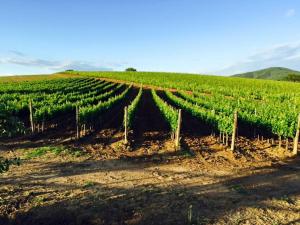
[(126, 125), (177, 137), (77, 122), (279, 141), (234, 130), (296, 140), (31, 116), (43, 125), (226, 139), (255, 113)]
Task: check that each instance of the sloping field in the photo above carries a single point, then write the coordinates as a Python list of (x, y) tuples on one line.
[(149, 148)]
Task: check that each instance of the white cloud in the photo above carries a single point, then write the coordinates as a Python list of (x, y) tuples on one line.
[(290, 13), (284, 55), (21, 59)]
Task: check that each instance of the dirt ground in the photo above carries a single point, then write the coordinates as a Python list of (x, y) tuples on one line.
[(148, 182), (151, 185)]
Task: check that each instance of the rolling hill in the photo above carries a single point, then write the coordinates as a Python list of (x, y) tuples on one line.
[(272, 73)]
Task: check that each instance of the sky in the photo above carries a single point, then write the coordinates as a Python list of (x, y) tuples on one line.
[(221, 37)]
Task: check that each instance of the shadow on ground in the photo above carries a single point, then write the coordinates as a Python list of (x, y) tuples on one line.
[(165, 199)]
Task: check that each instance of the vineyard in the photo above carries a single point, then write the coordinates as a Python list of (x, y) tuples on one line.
[(148, 148), (264, 110)]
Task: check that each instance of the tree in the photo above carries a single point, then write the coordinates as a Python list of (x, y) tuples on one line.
[(293, 77), (130, 69)]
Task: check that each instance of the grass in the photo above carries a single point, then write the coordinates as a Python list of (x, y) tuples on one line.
[(187, 153), (287, 199), (56, 150), (239, 189), (38, 200), (88, 184)]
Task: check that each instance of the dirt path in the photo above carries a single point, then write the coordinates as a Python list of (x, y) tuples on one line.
[(151, 133)]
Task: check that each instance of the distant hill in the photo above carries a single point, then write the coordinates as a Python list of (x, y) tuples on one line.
[(272, 73)]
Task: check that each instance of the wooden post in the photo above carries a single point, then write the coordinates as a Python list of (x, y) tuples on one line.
[(190, 214), (125, 125), (84, 129), (31, 116), (280, 142), (77, 122), (255, 113), (234, 130), (296, 140), (43, 125), (226, 139), (177, 138)]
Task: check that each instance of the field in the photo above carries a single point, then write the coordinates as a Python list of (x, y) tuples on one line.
[(148, 148)]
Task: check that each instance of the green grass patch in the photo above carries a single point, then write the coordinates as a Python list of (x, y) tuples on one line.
[(239, 189), (37, 152), (88, 184), (56, 150), (38, 200), (287, 199), (187, 153)]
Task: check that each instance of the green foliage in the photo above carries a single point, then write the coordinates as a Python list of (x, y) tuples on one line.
[(38, 152), (6, 163), (239, 189), (270, 105), (88, 184), (10, 125), (293, 77), (219, 122), (50, 100), (130, 69), (276, 103), (90, 114), (132, 109), (170, 114), (56, 150), (38, 200)]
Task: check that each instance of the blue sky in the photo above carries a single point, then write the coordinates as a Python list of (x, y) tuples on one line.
[(197, 36)]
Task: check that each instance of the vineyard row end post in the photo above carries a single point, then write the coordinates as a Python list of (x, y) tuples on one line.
[(177, 138), (125, 125), (77, 123), (296, 140), (31, 116), (234, 130)]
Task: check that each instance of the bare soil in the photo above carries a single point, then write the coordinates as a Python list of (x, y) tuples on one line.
[(148, 182)]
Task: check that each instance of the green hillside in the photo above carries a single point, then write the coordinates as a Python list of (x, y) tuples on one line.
[(272, 73)]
